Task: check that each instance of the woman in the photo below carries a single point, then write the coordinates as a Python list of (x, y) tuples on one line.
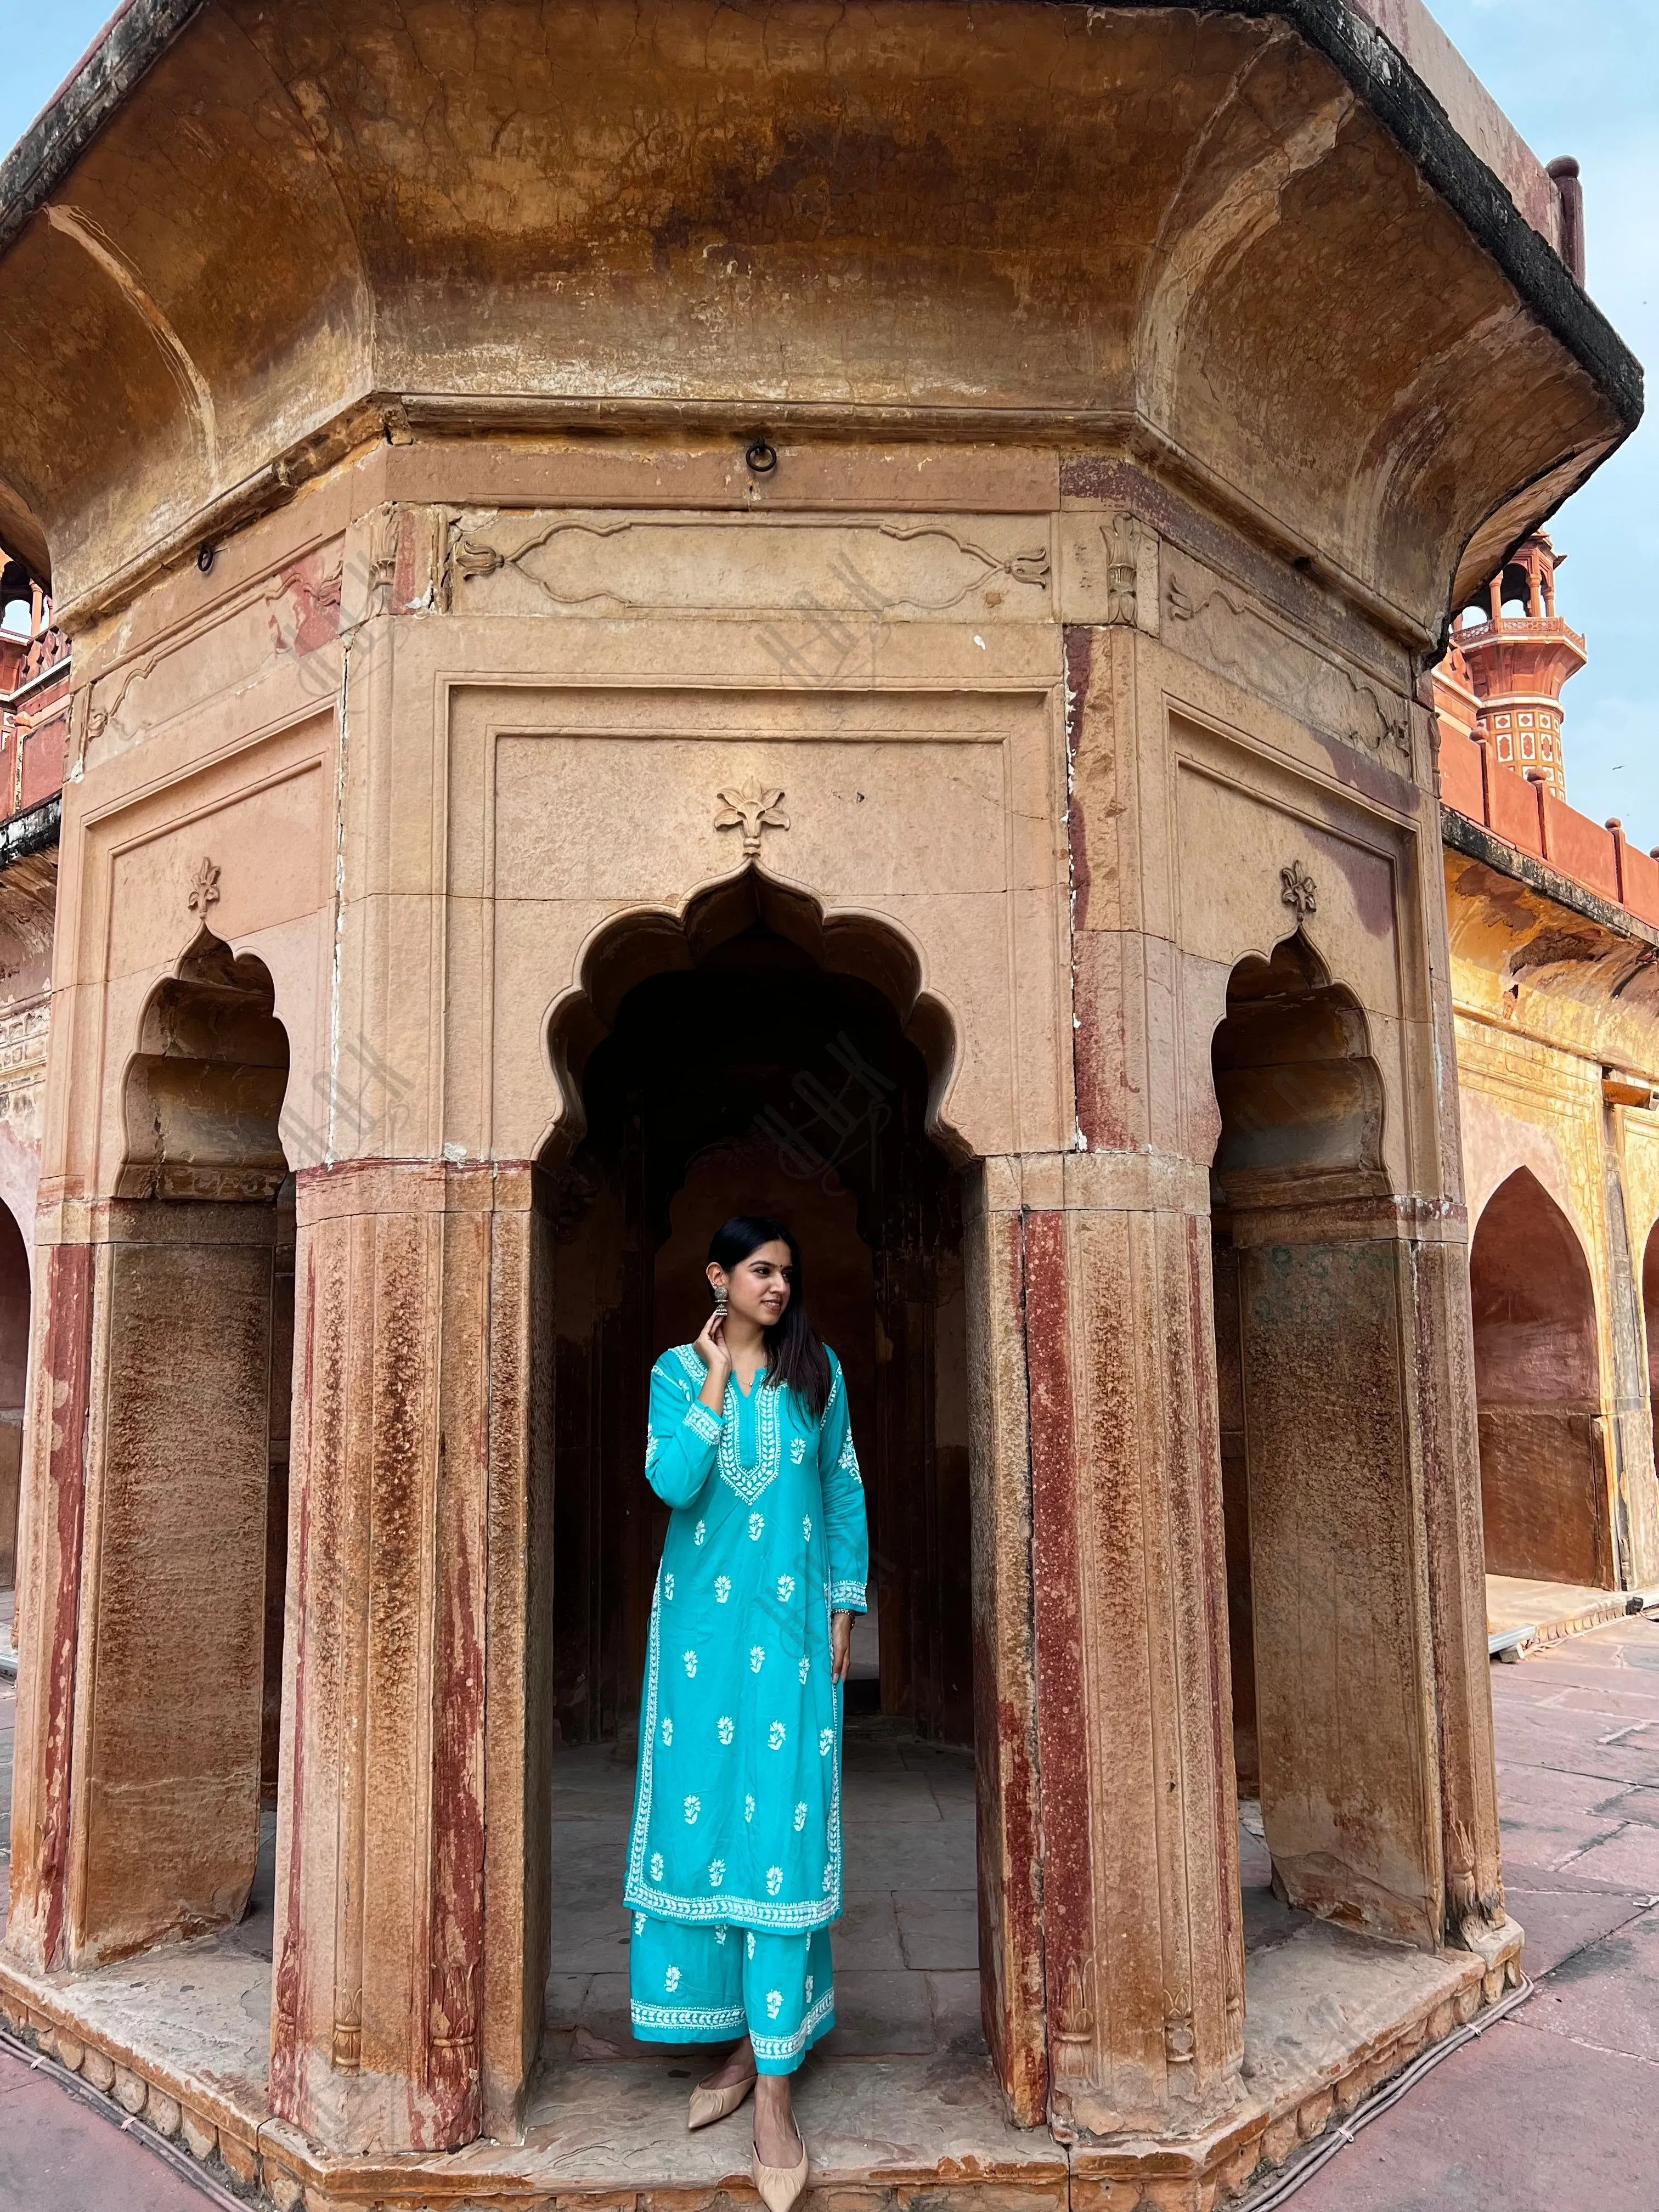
[(734, 1865)]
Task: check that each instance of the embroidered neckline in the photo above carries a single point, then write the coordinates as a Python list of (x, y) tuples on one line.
[(752, 1482)]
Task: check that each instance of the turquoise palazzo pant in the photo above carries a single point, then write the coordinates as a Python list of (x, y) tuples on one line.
[(734, 1862)]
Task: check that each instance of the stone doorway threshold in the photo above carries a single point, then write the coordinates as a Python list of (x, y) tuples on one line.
[(181, 2037), (1551, 1610)]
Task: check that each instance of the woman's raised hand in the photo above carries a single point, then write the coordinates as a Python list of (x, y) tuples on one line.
[(711, 1350)]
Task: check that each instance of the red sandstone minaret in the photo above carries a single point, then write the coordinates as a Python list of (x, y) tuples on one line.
[(1508, 657)]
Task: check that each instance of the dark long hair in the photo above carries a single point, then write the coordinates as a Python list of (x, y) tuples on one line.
[(795, 1357)]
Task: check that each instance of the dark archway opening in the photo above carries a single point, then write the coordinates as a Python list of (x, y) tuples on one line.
[(180, 1746), (13, 1376), (1315, 1477), (756, 1061), (1543, 1480)]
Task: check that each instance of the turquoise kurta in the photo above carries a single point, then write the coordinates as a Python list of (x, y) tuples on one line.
[(737, 1809)]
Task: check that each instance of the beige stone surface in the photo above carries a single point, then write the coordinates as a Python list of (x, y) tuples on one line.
[(449, 669)]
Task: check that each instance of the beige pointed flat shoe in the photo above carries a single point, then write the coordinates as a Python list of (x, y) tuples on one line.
[(780, 2186), (709, 2106)]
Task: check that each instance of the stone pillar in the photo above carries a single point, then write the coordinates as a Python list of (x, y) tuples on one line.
[(49, 1547), (1345, 1701), (171, 1667), (410, 1399), (1141, 1943)]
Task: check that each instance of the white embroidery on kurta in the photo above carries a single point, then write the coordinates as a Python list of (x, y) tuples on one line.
[(756, 1527), (756, 1658), (671, 1980), (722, 1589), (776, 1734), (690, 1663), (774, 2003), (800, 1816), (668, 1587), (667, 1732), (779, 2048), (723, 1728), (656, 1866), (798, 1449), (774, 1880), (701, 1423), (786, 1588), (699, 1534), (639, 1924), (806, 1526), (716, 1876), (826, 1742), (748, 1808), (748, 1947), (809, 1989), (693, 1806), (675, 2023), (750, 1482), (805, 1668)]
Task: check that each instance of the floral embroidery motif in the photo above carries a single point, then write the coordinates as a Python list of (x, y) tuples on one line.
[(639, 1924), (809, 1989), (690, 1663), (722, 1589), (750, 1482), (748, 1808), (806, 1526), (671, 1980), (756, 1658), (720, 1933), (723, 1728), (776, 1734), (774, 1880), (774, 2003), (699, 1534), (756, 1524), (798, 1450), (805, 1668), (693, 1806), (749, 1948), (826, 1739), (786, 1588), (716, 1876), (700, 1422), (800, 1816), (668, 1587), (656, 1866), (667, 1732)]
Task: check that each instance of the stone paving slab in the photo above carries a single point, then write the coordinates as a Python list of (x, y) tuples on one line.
[(56, 2156)]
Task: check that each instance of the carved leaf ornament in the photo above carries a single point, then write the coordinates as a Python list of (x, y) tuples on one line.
[(751, 811), (1300, 892)]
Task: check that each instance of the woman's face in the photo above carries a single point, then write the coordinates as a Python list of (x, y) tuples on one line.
[(757, 1288)]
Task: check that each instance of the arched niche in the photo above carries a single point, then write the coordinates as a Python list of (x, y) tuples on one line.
[(1312, 1346), (13, 1374), (1537, 1378), (632, 948), (751, 1057), (184, 1601)]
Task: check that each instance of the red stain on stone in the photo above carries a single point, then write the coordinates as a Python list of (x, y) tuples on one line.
[(68, 1270), (451, 2113), (313, 594), (286, 2041), (1067, 1875), (1079, 668)]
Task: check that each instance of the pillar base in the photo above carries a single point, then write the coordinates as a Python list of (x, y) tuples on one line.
[(880, 2129)]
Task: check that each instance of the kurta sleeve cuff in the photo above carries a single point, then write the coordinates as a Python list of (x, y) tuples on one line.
[(846, 1597), (701, 1423)]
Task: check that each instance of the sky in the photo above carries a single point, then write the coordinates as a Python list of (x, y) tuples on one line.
[(1575, 77)]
